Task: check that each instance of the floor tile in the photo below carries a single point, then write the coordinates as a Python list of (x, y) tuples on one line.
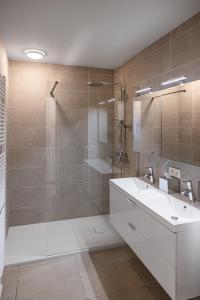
[(51, 280), (143, 272), (135, 294), (108, 271), (115, 274), (158, 292), (9, 283)]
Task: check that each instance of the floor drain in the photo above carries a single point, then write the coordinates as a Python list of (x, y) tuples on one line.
[(98, 230), (174, 218)]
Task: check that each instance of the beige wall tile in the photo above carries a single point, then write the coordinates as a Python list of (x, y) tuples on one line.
[(186, 26), (19, 137), (27, 99), (71, 99), (182, 47), (171, 56), (31, 157), (31, 177), (157, 62), (19, 117), (24, 216), (29, 197)]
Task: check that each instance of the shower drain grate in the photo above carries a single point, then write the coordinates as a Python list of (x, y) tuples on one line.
[(99, 230), (174, 218)]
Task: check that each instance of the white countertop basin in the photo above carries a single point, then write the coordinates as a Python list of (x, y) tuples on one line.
[(177, 214)]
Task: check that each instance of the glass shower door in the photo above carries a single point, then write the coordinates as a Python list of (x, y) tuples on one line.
[(79, 132)]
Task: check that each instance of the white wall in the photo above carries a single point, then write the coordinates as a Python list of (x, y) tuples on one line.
[(3, 71)]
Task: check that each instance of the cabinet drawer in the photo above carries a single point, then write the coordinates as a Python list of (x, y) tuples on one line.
[(126, 229), (157, 265), (156, 234)]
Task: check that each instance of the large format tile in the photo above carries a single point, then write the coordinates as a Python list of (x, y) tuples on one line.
[(29, 76), (186, 26), (27, 99), (71, 99), (31, 177), (108, 271), (31, 157), (28, 215), (34, 118), (182, 47), (71, 118), (19, 137), (156, 62), (57, 279), (29, 197), (10, 277), (143, 293)]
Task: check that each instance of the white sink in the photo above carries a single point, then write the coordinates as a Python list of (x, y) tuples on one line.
[(173, 212)]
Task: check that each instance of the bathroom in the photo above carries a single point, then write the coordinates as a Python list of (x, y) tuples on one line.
[(99, 150)]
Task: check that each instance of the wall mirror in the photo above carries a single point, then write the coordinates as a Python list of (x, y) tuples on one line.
[(167, 123)]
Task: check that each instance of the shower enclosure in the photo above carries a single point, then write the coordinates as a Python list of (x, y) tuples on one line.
[(80, 159)]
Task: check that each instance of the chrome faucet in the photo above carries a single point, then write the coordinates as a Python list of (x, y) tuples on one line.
[(150, 175), (188, 192)]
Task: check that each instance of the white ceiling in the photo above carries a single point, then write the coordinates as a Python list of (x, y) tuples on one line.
[(101, 33)]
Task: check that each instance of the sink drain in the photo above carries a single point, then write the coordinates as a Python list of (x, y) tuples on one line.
[(174, 218)]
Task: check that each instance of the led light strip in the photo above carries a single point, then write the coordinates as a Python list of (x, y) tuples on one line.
[(179, 80), (144, 91)]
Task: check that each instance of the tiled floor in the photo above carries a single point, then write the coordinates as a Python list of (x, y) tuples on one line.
[(115, 274)]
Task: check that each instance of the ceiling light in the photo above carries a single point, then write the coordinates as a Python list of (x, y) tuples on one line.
[(178, 80), (34, 54), (103, 102), (144, 91)]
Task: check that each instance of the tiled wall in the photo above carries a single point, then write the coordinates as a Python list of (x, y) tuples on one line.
[(177, 53), (51, 140)]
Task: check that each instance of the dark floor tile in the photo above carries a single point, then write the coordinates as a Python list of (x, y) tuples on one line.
[(135, 294), (143, 271), (159, 292), (108, 271)]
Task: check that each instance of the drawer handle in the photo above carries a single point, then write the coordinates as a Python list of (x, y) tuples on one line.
[(132, 226), (132, 202)]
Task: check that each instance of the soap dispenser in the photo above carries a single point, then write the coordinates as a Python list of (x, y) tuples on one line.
[(168, 183)]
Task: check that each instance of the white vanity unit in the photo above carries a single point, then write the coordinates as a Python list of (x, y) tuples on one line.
[(162, 230)]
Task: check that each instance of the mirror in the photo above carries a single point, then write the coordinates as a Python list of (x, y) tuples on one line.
[(167, 123), (147, 125)]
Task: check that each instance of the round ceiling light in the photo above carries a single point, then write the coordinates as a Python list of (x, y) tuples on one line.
[(34, 54)]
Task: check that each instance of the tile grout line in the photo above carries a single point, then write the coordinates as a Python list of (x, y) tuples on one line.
[(79, 274), (17, 282)]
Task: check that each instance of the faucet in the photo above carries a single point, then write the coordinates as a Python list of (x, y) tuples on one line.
[(188, 192), (150, 175)]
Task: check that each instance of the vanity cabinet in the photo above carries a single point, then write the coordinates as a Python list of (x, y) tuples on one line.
[(173, 258)]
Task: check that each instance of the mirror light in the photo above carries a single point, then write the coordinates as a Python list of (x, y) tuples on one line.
[(144, 91), (34, 53), (178, 80)]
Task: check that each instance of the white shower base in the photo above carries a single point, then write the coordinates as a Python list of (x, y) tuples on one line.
[(34, 242)]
